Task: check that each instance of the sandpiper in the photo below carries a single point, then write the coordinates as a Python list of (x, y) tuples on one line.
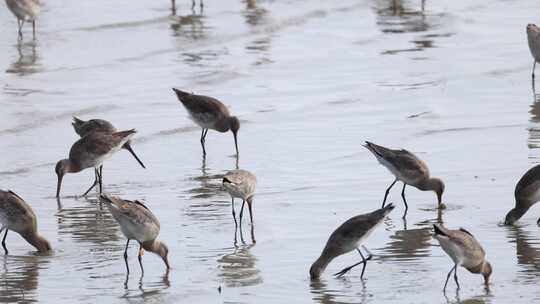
[(533, 37), (24, 10), (241, 184), (90, 152), (209, 113), (527, 193), (408, 169), (18, 216), (348, 237), (464, 250), (137, 223), (83, 128)]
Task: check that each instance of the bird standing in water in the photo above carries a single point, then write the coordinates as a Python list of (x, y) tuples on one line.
[(18, 216), (90, 152), (527, 193), (83, 128), (25, 11), (409, 169), (209, 113), (533, 38), (348, 237), (241, 184), (137, 223), (464, 250)]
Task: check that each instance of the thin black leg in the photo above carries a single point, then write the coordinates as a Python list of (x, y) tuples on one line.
[(404, 200), (250, 212), (364, 261), (100, 179), (173, 7), (4, 240), (455, 276), (234, 214), (96, 178), (203, 140), (140, 257), (534, 66), (242, 211), (448, 277), (34, 29), (388, 191), (20, 23), (126, 256)]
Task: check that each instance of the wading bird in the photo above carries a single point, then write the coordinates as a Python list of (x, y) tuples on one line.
[(137, 223), (464, 250), (241, 184), (90, 152), (18, 216), (348, 237), (209, 113), (409, 169), (25, 11), (527, 193)]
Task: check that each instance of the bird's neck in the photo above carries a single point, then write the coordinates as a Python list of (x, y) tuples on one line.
[(40, 243), (319, 265), (223, 125), (152, 246), (429, 184)]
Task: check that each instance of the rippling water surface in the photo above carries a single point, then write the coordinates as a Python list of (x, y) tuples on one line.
[(310, 81)]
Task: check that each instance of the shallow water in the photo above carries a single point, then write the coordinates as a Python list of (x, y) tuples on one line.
[(310, 80)]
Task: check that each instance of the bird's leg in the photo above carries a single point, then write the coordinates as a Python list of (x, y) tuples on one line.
[(100, 179), (173, 7), (126, 256), (253, 234), (141, 251), (364, 261), (455, 276), (234, 214), (448, 277), (94, 184), (242, 211), (20, 29), (250, 211), (534, 66), (4, 240), (203, 139), (34, 29), (201, 4), (404, 200), (388, 191)]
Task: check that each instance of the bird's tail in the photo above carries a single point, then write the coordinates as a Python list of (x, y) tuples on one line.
[(439, 230), (181, 94), (77, 123)]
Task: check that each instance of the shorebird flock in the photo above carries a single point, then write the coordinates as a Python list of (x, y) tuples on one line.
[(99, 140)]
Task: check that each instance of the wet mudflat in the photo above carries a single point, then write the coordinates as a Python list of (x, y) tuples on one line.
[(310, 81)]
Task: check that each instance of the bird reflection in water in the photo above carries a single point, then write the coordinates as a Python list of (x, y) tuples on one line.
[(321, 293), (400, 16), (148, 291), (27, 60), (189, 26), (256, 17), (19, 278), (534, 129), (239, 269), (527, 251)]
